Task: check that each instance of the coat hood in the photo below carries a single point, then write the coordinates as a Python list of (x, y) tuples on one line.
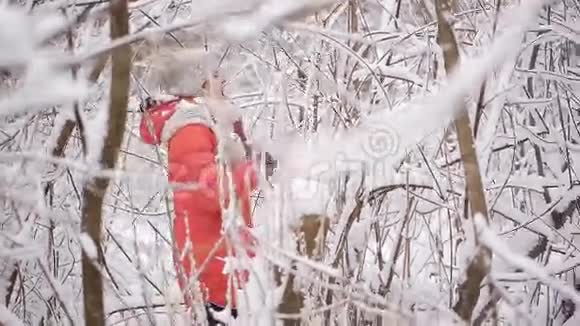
[(164, 116), (154, 119)]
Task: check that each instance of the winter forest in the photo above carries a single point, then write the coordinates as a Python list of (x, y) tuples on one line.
[(416, 160)]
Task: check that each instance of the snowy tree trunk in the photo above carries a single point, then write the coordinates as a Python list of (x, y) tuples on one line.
[(479, 266), (311, 238), (94, 192)]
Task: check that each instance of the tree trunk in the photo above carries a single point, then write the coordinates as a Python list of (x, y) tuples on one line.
[(95, 190), (312, 232), (479, 266)]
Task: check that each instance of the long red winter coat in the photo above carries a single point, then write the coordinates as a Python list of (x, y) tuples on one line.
[(184, 127)]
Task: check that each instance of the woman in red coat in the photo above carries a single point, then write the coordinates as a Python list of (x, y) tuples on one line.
[(187, 128)]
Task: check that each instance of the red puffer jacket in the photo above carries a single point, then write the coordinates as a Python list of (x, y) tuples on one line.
[(184, 126)]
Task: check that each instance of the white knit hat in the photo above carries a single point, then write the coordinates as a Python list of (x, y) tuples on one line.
[(182, 71)]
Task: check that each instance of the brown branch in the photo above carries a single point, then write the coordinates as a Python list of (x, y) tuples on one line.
[(94, 192), (69, 126), (341, 246), (383, 290), (76, 109), (312, 231), (11, 284), (479, 266)]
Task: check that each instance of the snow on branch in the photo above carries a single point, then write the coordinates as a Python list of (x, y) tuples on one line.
[(23, 52), (233, 20), (500, 248), (384, 136), (8, 318)]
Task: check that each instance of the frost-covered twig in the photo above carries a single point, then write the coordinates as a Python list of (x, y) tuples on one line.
[(269, 13), (501, 249)]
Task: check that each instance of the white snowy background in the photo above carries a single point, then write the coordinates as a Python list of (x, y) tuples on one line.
[(352, 100)]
